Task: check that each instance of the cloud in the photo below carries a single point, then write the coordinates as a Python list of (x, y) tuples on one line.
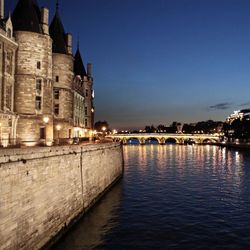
[(221, 106), (245, 104)]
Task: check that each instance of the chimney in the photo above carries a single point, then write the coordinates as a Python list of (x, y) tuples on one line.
[(45, 20), (69, 43), (89, 69), (1, 9)]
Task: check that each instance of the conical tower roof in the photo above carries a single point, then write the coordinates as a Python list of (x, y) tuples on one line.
[(57, 33), (78, 64), (27, 16)]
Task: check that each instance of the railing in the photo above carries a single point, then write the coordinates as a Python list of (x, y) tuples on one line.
[(18, 143)]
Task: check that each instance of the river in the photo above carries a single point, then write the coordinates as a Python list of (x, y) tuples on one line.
[(171, 197)]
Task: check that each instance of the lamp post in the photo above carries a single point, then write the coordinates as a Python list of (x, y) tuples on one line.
[(46, 120), (103, 130), (58, 128)]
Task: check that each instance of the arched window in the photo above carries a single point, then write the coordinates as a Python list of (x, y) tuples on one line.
[(9, 33)]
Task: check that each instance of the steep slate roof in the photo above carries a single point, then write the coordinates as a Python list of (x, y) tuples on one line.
[(58, 35), (27, 16), (78, 64)]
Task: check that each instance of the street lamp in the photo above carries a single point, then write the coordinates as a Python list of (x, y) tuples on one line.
[(46, 120), (103, 131), (58, 128)]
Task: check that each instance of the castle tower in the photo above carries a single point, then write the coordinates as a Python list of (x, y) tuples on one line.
[(62, 78), (33, 86), (87, 88)]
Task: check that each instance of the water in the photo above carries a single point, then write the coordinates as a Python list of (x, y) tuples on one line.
[(171, 197)]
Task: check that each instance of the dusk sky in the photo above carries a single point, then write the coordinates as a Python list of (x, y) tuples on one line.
[(158, 61)]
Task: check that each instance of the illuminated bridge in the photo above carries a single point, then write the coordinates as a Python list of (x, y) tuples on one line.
[(162, 138)]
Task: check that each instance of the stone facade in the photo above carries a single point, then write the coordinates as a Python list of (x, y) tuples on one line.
[(63, 94), (43, 189), (8, 47), (39, 101)]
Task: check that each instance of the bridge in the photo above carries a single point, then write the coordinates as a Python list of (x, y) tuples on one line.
[(162, 138)]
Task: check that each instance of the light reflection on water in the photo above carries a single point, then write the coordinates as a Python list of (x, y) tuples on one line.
[(172, 197)]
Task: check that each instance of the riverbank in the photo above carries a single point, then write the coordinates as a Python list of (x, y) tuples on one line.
[(234, 145), (44, 189)]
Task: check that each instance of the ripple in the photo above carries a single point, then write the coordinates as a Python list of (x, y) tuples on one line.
[(172, 197)]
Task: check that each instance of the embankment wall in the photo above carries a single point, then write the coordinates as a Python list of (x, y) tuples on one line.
[(43, 189)]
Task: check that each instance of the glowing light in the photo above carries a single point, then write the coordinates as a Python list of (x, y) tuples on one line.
[(58, 127), (92, 110), (46, 119), (114, 131), (104, 128)]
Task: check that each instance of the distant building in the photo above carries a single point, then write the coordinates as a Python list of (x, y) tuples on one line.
[(45, 92), (239, 114)]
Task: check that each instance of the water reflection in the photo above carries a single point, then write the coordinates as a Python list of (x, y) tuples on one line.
[(172, 197), (89, 232)]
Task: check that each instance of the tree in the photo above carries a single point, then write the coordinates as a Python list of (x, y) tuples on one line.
[(100, 125)]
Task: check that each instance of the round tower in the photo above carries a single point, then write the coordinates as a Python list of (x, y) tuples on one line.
[(62, 77), (33, 87)]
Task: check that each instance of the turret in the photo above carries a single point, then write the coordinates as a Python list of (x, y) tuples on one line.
[(62, 75), (79, 68), (57, 33), (27, 16)]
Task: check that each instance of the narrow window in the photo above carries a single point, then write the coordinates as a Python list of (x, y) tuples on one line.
[(57, 78), (38, 65), (42, 133), (86, 122), (86, 111), (38, 103), (39, 84), (56, 109), (9, 33), (56, 94)]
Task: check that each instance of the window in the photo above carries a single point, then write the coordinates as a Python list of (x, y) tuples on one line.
[(56, 94), (87, 92), (8, 96), (86, 111), (39, 84), (8, 62), (57, 78), (42, 133), (86, 122), (38, 65), (56, 109), (9, 33), (38, 102)]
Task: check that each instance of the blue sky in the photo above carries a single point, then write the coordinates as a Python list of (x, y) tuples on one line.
[(158, 61)]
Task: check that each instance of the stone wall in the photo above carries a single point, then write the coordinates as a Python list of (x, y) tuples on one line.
[(43, 189), (33, 64)]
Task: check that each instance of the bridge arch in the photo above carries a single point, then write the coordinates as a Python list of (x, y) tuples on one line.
[(208, 140), (154, 140), (171, 140), (133, 140)]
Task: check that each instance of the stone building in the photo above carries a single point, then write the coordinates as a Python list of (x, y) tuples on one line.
[(40, 97), (8, 47), (83, 97)]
